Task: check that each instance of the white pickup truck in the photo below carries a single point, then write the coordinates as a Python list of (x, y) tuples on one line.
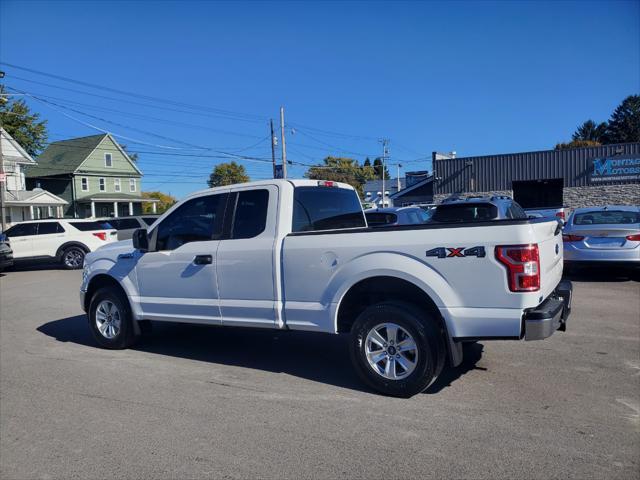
[(298, 255)]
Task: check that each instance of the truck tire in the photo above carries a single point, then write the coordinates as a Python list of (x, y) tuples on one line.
[(397, 349), (72, 257), (110, 319)]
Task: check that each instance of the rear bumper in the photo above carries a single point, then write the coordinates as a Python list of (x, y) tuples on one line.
[(628, 264), (551, 315), (574, 254)]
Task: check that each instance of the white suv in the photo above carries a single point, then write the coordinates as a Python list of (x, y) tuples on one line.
[(66, 241)]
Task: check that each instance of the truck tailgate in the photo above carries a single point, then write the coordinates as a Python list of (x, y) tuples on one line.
[(548, 236)]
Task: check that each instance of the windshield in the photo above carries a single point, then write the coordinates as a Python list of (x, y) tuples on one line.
[(606, 217)]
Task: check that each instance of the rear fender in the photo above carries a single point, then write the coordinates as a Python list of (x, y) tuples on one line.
[(390, 265)]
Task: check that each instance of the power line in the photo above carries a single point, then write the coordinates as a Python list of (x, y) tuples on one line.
[(135, 95)]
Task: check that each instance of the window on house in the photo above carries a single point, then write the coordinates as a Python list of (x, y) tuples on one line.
[(116, 184), (84, 182), (108, 160), (102, 184), (132, 185)]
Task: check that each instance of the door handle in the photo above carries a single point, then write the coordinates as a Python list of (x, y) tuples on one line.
[(203, 260)]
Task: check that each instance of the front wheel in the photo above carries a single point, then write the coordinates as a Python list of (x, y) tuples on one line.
[(396, 349), (72, 258), (110, 319)]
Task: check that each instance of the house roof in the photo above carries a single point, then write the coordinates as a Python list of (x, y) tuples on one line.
[(67, 156), (10, 147), (64, 156), (37, 196), (375, 186), (115, 197), (419, 184)]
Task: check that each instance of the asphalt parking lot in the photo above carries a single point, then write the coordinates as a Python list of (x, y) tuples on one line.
[(194, 402)]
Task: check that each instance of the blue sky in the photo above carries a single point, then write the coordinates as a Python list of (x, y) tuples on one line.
[(474, 77)]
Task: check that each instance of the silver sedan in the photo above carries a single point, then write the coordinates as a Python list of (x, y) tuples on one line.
[(603, 236)]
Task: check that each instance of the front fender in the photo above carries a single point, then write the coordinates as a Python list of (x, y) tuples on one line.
[(122, 271)]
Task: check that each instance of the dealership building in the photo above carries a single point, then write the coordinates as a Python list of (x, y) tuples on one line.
[(579, 177)]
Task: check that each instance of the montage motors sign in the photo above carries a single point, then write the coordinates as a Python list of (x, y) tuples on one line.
[(615, 170)]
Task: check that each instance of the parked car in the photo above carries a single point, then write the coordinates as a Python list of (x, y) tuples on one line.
[(297, 255), (547, 212), (387, 217), (63, 240), (478, 209), (608, 236), (127, 225), (6, 254)]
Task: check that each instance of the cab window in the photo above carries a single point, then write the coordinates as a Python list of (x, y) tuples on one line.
[(196, 220), (250, 216)]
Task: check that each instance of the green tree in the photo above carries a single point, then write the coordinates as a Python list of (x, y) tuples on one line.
[(624, 124), (163, 205), (227, 174), (577, 144), (590, 131), (345, 170), (367, 162), (377, 165), (22, 124), (133, 156)]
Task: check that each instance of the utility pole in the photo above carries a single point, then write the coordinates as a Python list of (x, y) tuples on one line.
[(385, 150), (3, 182), (273, 148), (3, 178), (398, 177), (284, 145)]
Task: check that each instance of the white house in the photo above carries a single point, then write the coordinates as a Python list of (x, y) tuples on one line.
[(20, 203)]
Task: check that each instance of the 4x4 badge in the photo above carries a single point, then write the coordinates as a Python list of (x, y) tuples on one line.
[(448, 252)]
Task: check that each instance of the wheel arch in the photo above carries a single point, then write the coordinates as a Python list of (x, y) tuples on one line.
[(72, 243), (102, 280), (390, 288)]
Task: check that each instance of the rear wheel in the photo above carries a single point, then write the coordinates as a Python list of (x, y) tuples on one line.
[(72, 258), (110, 319), (397, 349)]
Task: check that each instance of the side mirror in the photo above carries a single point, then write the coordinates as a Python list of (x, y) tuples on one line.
[(141, 240)]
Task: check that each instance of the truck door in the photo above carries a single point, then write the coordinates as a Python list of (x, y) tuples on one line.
[(177, 279), (246, 259)]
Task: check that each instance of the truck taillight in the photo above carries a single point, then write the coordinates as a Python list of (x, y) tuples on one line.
[(560, 214), (326, 183), (633, 238), (523, 266), (572, 238), (101, 235)]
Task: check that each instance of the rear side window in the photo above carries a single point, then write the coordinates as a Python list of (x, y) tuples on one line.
[(607, 217), (465, 212), (49, 228), (378, 218), (326, 208), (250, 216), (196, 220), (22, 230), (124, 223), (91, 226)]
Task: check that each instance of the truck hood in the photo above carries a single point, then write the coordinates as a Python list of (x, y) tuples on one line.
[(111, 251)]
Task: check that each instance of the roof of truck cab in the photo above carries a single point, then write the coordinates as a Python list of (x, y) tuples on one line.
[(275, 181)]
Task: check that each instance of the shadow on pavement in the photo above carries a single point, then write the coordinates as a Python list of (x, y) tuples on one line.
[(472, 355), (32, 266), (318, 357), (603, 274), (315, 356)]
